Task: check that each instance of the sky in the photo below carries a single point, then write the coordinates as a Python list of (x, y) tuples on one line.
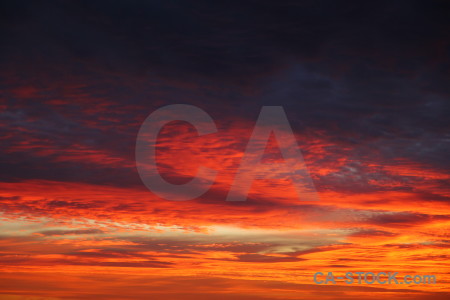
[(365, 88)]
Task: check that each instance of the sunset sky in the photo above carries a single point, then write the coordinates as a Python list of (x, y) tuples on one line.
[(366, 89)]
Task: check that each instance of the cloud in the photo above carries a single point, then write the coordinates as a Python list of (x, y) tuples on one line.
[(365, 89), (70, 232)]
